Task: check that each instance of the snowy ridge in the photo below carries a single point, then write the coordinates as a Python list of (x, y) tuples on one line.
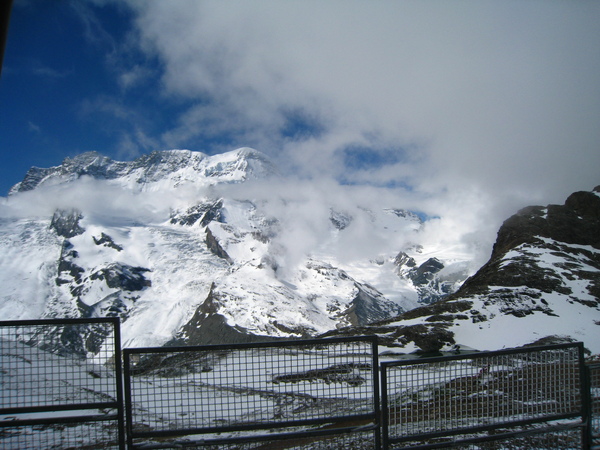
[(156, 171)]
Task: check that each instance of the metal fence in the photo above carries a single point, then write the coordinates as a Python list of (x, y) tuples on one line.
[(310, 394), (60, 386), (524, 398), (594, 390)]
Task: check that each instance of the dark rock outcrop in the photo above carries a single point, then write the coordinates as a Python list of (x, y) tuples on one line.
[(106, 241), (339, 219), (66, 223), (68, 270), (122, 276), (403, 260), (369, 306), (203, 213), (576, 222), (431, 284), (214, 246), (207, 327)]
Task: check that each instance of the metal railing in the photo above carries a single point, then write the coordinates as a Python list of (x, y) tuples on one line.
[(529, 397), (61, 387), (61, 384), (322, 392)]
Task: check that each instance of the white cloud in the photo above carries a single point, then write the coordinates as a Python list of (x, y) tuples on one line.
[(33, 127), (45, 71), (492, 105)]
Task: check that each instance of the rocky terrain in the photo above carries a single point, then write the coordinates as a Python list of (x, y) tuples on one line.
[(540, 285)]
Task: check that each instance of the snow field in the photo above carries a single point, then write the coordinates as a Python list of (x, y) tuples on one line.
[(25, 280)]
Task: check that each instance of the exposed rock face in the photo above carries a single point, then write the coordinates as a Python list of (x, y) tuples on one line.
[(431, 282), (576, 222), (556, 228), (425, 272), (68, 270), (122, 276), (112, 286), (403, 260), (107, 241), (340, 220), (201, 214), (368, 306), (214, 246), (207, 327), (541, 284), (66, 223), (210, 324)]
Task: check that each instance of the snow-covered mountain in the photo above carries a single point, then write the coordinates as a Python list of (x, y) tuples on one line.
[(191, 248), (541, 285), (158, 170)]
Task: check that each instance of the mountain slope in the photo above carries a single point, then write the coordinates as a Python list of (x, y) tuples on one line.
[(190, 248), (541, 284)]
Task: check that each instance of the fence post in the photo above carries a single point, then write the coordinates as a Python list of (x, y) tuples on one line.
[(586, 406), (119, 382), (384, 407), (376, 394), (127, 388)]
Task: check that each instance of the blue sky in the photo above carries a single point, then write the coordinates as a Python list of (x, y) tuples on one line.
[(488, 102), (57, 72)]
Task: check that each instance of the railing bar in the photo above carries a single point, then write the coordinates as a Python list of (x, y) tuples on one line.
[(264, 437), (73, 321), (64, 407), (510, 351), (261, 426), (118, 358), (495, 437), (482, 428), (385, 408), (251, 345), (63, 419)]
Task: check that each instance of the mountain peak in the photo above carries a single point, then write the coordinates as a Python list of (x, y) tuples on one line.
[(170, 167)]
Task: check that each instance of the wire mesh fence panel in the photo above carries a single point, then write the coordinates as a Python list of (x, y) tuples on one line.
[(594, 372), (286, 386), (60, 386), (451, 396)]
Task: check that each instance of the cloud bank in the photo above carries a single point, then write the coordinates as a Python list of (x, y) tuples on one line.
[(466, 110), (499, 95)]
